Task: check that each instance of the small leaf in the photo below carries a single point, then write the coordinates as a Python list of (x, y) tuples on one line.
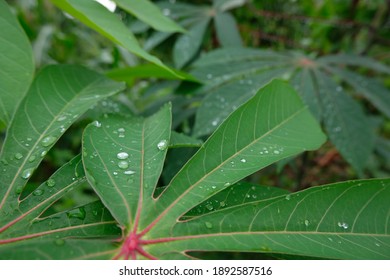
[(16, 63), (187, 45), (227, 31)]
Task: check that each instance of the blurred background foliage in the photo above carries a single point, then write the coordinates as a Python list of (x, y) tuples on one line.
[(314, 28)]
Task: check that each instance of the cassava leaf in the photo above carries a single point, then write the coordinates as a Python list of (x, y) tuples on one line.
[(123, 159), (346, 124), (227, 31), (273, 125), (56, 98), (149, 13), (27, 233), (16, 63), (346, 220), (97, 17)]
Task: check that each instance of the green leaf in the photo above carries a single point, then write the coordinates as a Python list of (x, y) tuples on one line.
[(149, 13), (271, 126), (371, 89), (354, 60), (129, 74), (27, 233), (224, 5), (346, 125), (123, 159), (16, 63), (346, 220), (97, 17), (188, 45), (227, 31), (57, 97)]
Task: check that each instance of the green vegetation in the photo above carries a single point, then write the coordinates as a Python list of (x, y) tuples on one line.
[(194, 129)]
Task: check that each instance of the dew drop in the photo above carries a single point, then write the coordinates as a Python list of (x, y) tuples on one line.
[(276, 152), (243, 160), (61, 118), (27, 173), (208, 225), (288, 197), (129, 172), (50, 183), (97, 123), (18, 156), (162, 145), (123, 164), (38, 192), (222, 204), (122, 155), (209, 76), (43, 153), (214, 122), (343, 225), (121, 130), (32, 158), (48, 140), (227, 184), (95, 212), (78, 213), (209, 207), (307, 223)]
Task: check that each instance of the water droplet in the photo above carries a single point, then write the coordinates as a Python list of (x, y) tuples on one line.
[(18, 156), (61, 118), (43, 153), (288, 197), (222, 204), (243, 160), (214, 122), (276, 152), (307, 223), (48, 140), (162, 145), (129, 172), (377, 244), (50, 183), (209, 76), (213, 187), (209, 207), (27, 173), (95, 212), (78, 213), (122, 155), (208, 225), (343, 225), (166, 12), (121, 130), (339, 89), (97, 123), (32, 158), (227, 184), (38, 192), (123, 164), (115, 173)]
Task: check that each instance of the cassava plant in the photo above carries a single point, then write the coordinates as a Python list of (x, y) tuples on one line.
[(206, 206)]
